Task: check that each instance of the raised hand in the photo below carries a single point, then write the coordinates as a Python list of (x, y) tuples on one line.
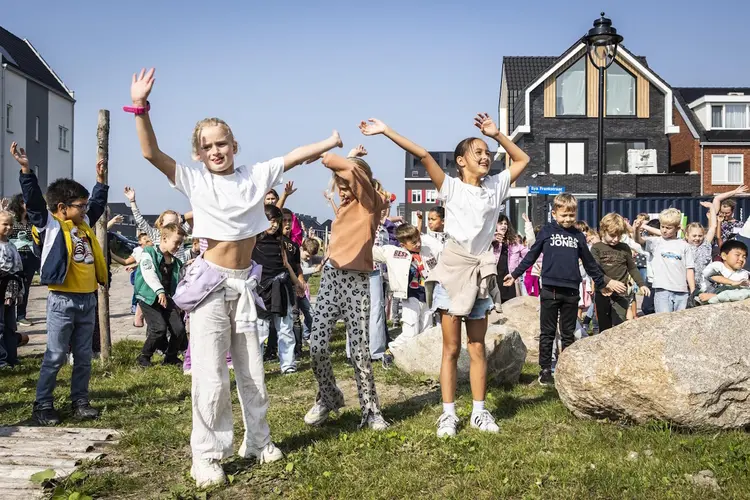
[(289, 188), (19, 154), (525, 217), (141, 86), (373, 126), (357, 152), (100, 171), (706, 204), (339, 142), (327, 195), (484, 123), (117, 219), (419, 214), (740, 190), (130, 194)]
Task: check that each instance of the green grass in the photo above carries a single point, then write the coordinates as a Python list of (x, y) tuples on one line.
[(542, 451)]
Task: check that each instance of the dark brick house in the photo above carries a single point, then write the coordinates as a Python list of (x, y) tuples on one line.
[(549, 107), (715, 138)]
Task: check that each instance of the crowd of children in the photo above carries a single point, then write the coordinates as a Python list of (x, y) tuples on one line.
[(241, 288)]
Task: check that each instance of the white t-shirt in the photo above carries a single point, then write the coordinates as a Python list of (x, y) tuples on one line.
[(471, 211), (137, 253), (670, 260), (719, 269), (229, 207)]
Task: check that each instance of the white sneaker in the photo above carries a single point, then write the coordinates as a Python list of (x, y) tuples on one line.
[(207, 472), (484, 421), (269, 453), (447, 424), (70, 359), (376, 422), (317, 414)]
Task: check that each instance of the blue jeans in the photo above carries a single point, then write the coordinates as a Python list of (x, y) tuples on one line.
[(284, 329), (667, 301), (441, 301), (70, 325), (303, 304)]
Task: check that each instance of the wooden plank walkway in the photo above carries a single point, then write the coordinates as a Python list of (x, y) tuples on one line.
[(27, 450)]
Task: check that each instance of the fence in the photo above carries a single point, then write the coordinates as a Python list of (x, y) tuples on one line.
[(631, 207)]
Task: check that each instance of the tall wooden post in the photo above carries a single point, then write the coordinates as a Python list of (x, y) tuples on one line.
[(102, 153)]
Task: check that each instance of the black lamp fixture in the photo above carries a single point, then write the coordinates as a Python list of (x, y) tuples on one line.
[(601, 45)]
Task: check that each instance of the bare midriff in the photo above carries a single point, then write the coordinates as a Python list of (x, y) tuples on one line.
[(230, 254)]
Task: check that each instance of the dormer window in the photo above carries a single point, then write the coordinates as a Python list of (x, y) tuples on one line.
[(620, 91), (730, 116), (571, 90)]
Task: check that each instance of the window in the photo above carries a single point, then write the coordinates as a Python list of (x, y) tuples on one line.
[(617, 154), (570, 90), (730, 116), (566, 157), (620, 92), (727, 169), (36, 129), (415, 173), (414, 219), (9, 117), (430, 196), (63, 139), (416, 196)]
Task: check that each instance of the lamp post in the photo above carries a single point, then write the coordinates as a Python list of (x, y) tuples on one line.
[(601, 45)]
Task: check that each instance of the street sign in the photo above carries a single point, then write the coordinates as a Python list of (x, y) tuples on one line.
[(553, 190)]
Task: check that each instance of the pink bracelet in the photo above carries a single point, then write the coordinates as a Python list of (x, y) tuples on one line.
[(137, 110)]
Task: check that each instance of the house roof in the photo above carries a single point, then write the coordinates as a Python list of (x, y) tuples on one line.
[(691, 94), (685, 95), (21, 55), (727, 136)]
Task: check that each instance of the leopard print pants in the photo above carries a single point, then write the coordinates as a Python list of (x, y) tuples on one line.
[(347, 294)]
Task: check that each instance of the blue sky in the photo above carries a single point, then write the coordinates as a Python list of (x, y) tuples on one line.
[(286, 73)]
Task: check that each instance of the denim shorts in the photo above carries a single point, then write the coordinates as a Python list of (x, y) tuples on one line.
[(442, 302)]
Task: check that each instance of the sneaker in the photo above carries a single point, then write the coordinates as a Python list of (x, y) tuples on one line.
[(172, 361), (484, 421), (207, 472), (143, 361), (70, 359), (187, 371), (376, 422), (267, 454), (317, 414), (24, 322), (82, 410), (46, 415), (387, 360), (545, 377), (447, 424), (291, 370)]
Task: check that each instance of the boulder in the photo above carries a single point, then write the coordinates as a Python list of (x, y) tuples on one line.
[(690, 368), (504, 348), (522, 314)]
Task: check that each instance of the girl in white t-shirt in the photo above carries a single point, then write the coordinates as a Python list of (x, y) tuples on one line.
[(472, 205), (228, 211)]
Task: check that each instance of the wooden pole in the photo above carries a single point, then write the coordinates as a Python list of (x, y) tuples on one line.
[(102, 153)]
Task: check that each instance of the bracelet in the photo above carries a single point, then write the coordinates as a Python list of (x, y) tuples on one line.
[(137, 110)]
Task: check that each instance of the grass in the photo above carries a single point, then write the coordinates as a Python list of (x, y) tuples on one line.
[(542, 451)]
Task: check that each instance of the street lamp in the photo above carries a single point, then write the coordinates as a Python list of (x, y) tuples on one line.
[(601, 45)]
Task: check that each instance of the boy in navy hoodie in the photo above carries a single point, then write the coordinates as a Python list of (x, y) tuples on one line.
[(562, 245)]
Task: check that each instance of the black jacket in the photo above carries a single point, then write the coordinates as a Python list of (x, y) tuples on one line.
[(562, 248)]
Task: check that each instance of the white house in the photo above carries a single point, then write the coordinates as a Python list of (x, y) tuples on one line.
[(37, 113)]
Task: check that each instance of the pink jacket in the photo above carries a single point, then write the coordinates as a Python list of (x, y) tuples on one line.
[(516, 253)]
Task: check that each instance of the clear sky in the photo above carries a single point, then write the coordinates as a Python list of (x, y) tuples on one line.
[(286, 73)]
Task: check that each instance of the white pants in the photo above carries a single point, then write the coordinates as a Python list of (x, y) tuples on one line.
[(416, 317), (213, 333)]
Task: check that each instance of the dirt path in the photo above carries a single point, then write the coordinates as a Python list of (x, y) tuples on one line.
[(121, 321)]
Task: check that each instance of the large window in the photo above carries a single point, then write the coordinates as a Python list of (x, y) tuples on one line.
[(430, 196), (617, 154), (63, 138), (570, 89), (416, 196), (730, 116), (727, 169), (566, 157), (620, 91)]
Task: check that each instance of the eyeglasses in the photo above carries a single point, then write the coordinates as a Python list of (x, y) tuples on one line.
[(80, 206)]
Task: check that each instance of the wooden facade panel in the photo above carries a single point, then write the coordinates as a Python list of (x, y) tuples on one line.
[(550, 97), (592, 89)]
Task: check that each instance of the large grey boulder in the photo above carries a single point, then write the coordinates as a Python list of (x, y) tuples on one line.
[(690, 368), (522, 315), (503, 346)]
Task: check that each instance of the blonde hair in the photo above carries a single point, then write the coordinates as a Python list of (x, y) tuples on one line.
[(159, 224), (582, 226), (565, 200), (612, 224), (695, 225), (670, 217), (5, 210), (210, 122), (173, 229), (368, 171)]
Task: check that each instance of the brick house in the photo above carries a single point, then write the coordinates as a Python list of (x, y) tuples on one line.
[(715, 138), (549, 107)]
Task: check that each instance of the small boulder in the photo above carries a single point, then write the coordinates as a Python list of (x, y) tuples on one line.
[(504, 349), (522, 314), (690, 368)]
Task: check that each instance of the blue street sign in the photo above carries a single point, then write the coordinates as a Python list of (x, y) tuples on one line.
[(545, 189)]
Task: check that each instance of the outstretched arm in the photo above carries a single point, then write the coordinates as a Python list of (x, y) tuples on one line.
[(711, 232), (373, 126), (289, 190), (140, 222), (311, 152), (725, 196), (140, 89), (519, 159)]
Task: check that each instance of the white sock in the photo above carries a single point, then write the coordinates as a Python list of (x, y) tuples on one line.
[(449, 408), (478, 406)]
